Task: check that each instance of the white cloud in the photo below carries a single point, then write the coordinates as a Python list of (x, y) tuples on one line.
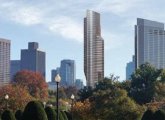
[(27, 16), (117, 6), (19, 13), (67, 27)]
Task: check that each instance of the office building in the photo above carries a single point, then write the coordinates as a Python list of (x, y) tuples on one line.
[(15, 66), (4, 62), (130, 68), (93, 49), (67, 73), (54, 72), (79, 84), (149, 43), (33, 59)]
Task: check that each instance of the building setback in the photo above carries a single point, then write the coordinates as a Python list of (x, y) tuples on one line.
[(67, 73), (93, 49), (33, 59), (4, 61), (149, 43)]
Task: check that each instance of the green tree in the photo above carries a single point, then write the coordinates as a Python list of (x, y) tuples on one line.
[(51, 114), (115, 105), (7, 115), (34, 111), (85, 93), (143, 83)]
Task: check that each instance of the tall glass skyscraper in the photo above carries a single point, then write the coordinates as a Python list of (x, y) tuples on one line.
[(130, 68), (149, 43), (33, 59), (67, 72), (4, 61), (93, 49)]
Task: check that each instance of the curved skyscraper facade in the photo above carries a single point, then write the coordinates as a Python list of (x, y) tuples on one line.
[(93, 49)]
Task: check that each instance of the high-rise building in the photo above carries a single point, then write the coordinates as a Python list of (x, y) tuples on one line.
[(67, 72), (4, 61), (130, 68), (54, 72), (93, 49), (15, 66), (79, 84), (149, 43), (33, 59)]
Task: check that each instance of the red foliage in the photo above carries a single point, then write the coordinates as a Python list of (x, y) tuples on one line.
[(18, 97), (34, 82)]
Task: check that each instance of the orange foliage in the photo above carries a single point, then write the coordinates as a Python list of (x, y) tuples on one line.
[(82, 110), (34, 82), (18, 97)]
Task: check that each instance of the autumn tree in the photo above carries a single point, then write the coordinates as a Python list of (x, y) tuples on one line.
[(34, 82), (18, 97), (82, 111)]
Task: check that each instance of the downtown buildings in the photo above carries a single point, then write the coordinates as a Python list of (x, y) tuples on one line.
[(149, 43), (33, 59), (4, 61), (130, 68), (93, 49)]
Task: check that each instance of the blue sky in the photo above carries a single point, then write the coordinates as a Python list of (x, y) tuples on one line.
[(58, 27)]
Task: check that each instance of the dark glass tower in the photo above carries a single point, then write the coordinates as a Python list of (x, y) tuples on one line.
[(33, 59)]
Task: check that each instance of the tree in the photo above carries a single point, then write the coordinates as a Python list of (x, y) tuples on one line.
[(18, 97), (85, 93), (7, 115), (18, 114), (34, 82), (148, 115), (82, 111), (114, 104), (143, 83), (34, 111), (159, 115), (51, 114)]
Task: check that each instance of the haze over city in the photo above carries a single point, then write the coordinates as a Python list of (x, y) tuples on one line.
[(58, 28)]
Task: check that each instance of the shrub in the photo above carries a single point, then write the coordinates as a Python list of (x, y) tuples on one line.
[(159, 115), (64, 115), (8, 115), (69, 116), (148, 115), (34, 111), (18, 114), (51, 114)]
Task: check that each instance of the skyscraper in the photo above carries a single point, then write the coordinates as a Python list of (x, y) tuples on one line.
[(33, 59), (149, 43), (15, 66), (93, 49), (54, 72), (67, 72), (130, 68), (4, 61)]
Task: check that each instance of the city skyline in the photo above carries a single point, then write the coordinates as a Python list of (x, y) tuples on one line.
[(45, 22)]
